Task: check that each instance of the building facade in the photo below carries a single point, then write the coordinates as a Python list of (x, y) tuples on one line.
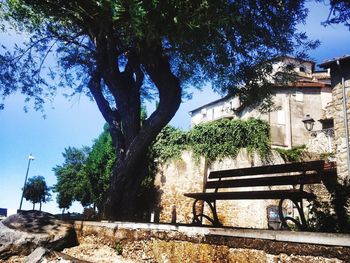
[(310, 95)]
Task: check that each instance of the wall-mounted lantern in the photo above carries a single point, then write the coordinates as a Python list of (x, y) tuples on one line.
[(308, 122)]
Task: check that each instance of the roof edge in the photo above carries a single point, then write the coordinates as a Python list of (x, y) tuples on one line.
[(329, 63)]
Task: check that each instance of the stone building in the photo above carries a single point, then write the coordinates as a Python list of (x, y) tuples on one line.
[(340, 81), (310, 95)]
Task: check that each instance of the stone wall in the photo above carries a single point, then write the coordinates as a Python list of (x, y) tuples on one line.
[(167, 243), (187, 175), (339, 128), (175, 178), (340, 146), (321, 142)]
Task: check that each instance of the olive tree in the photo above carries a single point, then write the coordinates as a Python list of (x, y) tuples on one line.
[(120, 52)]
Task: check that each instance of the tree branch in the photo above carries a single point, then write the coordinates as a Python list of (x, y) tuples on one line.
[(70, 39), (170, 98), (95, 88), (112, 116)]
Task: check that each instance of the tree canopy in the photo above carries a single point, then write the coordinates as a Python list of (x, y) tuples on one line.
[(36, 190), (70, 180), (216, 41), (121, 52), (84, 175)]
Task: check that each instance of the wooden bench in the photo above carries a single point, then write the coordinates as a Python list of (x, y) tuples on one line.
[(292, 176)]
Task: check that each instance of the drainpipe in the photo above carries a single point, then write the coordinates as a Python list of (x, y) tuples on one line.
[(290, 121), (345, 116)]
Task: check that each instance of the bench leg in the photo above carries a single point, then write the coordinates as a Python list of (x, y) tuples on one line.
[(301, 224), (198, 217)]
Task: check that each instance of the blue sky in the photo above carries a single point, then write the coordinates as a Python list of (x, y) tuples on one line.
[(77, 122)]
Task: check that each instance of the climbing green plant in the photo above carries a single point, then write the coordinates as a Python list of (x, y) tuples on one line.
[(213, 140), (169, 144), (292, 155), (224, 138)]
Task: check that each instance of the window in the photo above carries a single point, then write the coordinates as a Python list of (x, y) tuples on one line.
[(299, 96), (327, 124), (281, 117)]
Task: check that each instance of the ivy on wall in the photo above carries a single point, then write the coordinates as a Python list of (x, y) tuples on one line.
[(213, 140), (169, 144), (217, 139), (292, 155)]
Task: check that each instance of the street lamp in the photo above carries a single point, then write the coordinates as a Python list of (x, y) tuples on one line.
[(308, 122), (30, 158)]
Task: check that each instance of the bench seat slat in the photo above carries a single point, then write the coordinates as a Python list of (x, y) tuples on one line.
[(270, 169), (270, 194), (266, 181)]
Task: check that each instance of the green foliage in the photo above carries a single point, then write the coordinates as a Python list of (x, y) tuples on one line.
[(332, 216), (84, 175), (70, 184), (215, 139), (292, 155), (256, 136), (200, 44), (98, 167), (119, 248), (327, 156), (36, 190), (169, 144), (322, 217)]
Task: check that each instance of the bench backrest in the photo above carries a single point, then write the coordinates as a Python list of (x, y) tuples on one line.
[(269, 175)]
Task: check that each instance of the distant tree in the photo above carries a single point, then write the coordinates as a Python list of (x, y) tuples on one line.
[(64, 201), (70, 179), (84, 176), (36, 191), (121, 52)]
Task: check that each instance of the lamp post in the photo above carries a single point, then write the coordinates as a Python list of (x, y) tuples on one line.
[(30, 158)]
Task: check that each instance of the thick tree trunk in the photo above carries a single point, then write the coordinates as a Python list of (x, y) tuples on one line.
[(131, 170), (122, 195), (129, 138)]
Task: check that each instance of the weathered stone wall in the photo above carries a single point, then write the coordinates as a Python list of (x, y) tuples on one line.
[(175, 178), (321, 142), (167, 243), (187, 175), (339, 125)]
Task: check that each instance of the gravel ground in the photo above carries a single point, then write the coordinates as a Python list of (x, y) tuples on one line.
[(89, 250)]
